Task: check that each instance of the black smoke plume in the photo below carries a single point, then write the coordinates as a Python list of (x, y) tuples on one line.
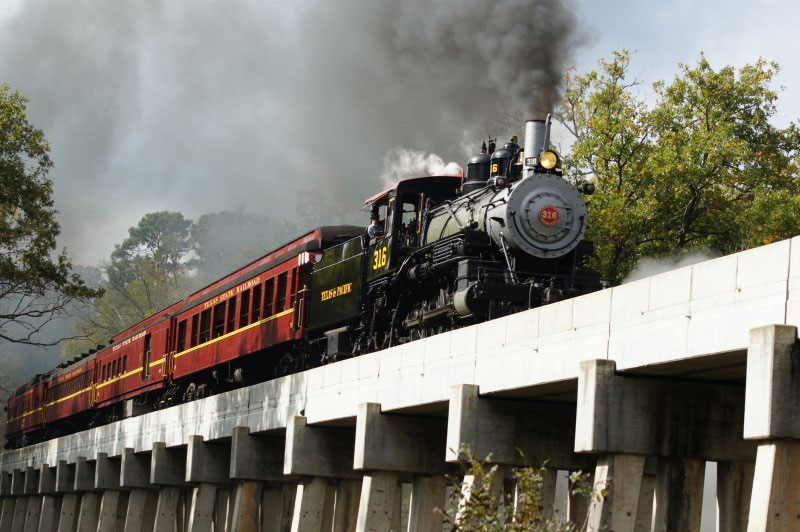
[(284, 108)]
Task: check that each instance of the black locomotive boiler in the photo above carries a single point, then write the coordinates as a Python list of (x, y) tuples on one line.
[(452, 253)]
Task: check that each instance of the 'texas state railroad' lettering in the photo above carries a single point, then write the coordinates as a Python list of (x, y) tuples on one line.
[(336, 292), (230, 293)]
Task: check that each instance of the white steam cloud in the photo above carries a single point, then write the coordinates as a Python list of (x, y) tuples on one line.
[(403, 163)]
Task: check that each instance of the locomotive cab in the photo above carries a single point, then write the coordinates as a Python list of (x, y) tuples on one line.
[(402, 209)]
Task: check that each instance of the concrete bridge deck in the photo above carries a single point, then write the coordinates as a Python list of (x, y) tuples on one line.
[(655, 376)]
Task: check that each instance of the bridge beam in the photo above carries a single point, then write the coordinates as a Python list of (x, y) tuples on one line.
[(542, 431), (771, 418), (5, 483), (65, 477), (17, 482), (516, 433), (620, 415)]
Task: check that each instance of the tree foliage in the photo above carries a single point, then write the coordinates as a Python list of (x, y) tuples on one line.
[(165, 257), (488, 507), (226, 240), (702, 168), (35, 286), (147, 272)]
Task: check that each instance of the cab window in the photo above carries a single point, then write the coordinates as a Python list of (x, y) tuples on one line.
[(410, 220)]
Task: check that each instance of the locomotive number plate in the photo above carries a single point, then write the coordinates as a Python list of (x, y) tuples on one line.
[(379, 258), (548, 215)]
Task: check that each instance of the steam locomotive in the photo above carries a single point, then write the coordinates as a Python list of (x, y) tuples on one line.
[(453, 251)]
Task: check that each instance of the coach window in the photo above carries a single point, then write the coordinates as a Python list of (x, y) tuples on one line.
[(103, 374), (181, 336), (219, 320), (124, 364), (195, 329), (244, 309), (113, 368), (256, 314), (146, 359), (205, 325), (231, 315), (269, 293), (281, 301)]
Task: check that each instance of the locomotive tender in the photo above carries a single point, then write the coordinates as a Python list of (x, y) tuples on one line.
[(453, 252)]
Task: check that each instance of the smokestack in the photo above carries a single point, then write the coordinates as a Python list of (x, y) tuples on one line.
[(534, 140)]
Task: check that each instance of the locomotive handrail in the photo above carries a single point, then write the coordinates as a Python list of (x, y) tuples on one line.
[(300, 300)]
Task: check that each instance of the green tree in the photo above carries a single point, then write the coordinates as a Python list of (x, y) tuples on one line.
[(147, 272), (490, 506), (226, 240), (703, 168), (35, 285)]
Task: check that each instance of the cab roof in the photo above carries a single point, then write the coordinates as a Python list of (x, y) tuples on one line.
[(383, 194)]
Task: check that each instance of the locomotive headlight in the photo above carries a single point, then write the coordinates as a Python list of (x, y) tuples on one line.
[(548, 159)]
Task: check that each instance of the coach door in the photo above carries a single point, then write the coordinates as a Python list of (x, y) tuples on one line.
[(146, 359)]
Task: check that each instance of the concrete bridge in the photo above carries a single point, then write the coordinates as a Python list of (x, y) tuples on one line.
[(642, 384)]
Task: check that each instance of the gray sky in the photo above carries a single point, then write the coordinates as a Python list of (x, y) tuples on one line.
[(206, 105)]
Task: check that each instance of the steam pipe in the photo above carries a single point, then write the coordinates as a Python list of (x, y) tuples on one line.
[(546, 143)]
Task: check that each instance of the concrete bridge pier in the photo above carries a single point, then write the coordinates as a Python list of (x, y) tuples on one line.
[(168, 473), (142, 500), (515, 433), (262, 494), (773, 420), (207, 467), (90, 498), (320, 456), (34, 507), (277, 501), (70, 499), (8, 502), (114, 500), (391, 447), (51, 501), (625, 418), (644, 509), (20, 500)]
